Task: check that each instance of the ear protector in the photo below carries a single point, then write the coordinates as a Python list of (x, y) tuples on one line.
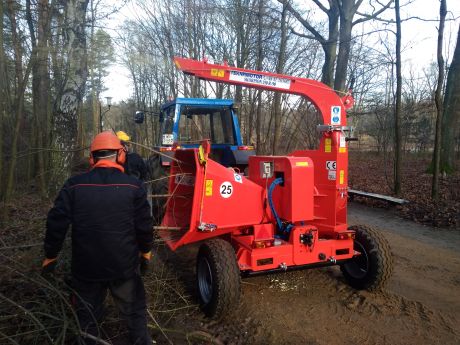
[(121, 157)]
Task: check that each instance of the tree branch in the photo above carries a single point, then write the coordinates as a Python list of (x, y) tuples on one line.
[(321, 6), (374, 15), (304, 22), (302, 35)]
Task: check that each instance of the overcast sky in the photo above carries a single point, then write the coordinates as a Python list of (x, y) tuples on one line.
[(419, 40)]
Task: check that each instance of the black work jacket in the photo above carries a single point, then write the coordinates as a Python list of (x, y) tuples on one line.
[(111, 223), (135, 166)]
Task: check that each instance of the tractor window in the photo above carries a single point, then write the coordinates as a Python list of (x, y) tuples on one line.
[(198, 123), (167, 126)]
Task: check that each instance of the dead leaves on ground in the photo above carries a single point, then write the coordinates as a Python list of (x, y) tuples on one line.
[(372, 172)]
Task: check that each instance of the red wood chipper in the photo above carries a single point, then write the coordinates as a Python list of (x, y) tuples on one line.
[(288, 212)]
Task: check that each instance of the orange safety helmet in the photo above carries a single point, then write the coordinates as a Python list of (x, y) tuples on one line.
[(107, 141)]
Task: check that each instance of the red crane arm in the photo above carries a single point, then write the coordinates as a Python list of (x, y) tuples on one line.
[(329, 104)]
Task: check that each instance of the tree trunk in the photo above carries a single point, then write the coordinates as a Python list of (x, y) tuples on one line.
[(94, 93), (330, 46), (279, 69), (70, 96), (240, 61), (40, 83), (21, 82), (451, 113), (438, 101), (347, 12), (260, 57), (3, 97), (397, 113)]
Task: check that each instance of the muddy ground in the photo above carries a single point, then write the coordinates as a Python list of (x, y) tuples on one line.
[(421, 304)]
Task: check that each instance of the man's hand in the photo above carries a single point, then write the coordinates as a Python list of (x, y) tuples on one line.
[(48, 266), (145, 262)]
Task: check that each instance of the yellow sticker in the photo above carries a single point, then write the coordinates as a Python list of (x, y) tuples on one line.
[(301, 164), (341, 176), (328, 145), (217, 72), (342, 149), (208, 188)]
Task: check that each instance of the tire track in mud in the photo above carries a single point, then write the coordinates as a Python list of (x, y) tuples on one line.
[(357, 317)]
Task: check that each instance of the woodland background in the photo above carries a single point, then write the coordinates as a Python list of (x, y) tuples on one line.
[(54, 56)]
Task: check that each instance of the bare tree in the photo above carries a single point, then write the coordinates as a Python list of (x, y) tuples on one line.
[(70, 94), (451, 113), (438, 101), (18, 102), (341, 21), (279, 69), (397, 111), (39, 36), (3, 94)]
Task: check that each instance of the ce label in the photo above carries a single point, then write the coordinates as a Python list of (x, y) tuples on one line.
[(331, 165)]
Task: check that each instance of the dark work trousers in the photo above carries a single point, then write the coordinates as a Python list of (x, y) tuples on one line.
[(129, 296)]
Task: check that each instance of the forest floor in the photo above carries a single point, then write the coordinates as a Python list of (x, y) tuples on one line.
[(374, 173), (419, 305)]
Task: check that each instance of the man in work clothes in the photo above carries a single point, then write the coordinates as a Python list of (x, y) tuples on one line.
[(134, 164), (111, 234)]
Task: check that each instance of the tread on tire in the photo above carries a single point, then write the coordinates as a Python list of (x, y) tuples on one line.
[(218, 278), (372, 269)]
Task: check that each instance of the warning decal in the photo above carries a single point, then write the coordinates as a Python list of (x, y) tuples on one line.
[(208, 187), (328, 145), (336, 113), (217, 72), (238, 178)]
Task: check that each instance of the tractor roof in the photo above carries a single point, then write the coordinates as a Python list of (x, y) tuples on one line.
[(198, 101)]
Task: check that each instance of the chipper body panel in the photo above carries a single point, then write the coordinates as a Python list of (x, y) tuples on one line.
[(269, 225)]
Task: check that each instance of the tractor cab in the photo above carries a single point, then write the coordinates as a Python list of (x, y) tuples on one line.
[(185, 122)]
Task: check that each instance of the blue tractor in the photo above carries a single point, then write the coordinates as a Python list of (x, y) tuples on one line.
[(183, 123)]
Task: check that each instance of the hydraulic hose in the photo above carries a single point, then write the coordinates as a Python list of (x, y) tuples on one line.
[(284, 228)]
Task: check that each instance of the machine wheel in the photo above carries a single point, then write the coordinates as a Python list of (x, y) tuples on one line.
[(218, 278), (371, 269), (158, 176)]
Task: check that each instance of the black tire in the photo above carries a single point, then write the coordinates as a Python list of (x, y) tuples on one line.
[(373, 267), (218, 278), (158, 175)]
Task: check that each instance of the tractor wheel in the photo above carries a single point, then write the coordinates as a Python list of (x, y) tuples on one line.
[(372, 268), (218, 278), (159, 182)]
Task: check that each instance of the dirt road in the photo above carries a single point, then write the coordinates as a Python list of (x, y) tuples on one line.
[(421, 304)]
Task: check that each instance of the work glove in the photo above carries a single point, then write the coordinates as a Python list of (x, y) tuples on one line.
[(145, 262), (48, 266)]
